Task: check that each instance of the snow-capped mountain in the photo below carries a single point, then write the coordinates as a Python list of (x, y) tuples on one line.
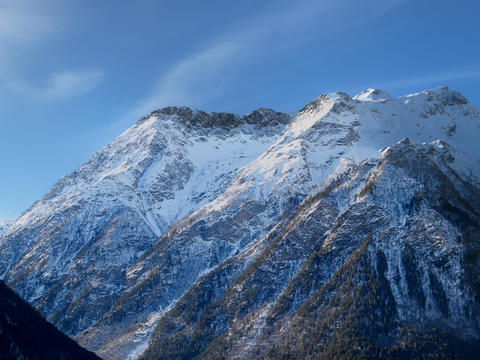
[(224, 230), (97, 221)]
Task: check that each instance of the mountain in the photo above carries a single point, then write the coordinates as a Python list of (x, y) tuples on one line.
[(26, 335), (377, 259), (350, 229)]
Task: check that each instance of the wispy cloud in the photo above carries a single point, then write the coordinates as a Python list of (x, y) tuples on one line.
[(24, 24), (185, 82), (207, 73), (24, 21), (62, 85)]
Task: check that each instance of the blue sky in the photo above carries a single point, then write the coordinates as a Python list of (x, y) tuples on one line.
[(75, 73)]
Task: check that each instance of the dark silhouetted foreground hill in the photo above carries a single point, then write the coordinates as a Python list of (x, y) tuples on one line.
[(24, 334)]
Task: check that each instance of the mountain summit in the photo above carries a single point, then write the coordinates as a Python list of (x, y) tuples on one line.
[(349, 229)]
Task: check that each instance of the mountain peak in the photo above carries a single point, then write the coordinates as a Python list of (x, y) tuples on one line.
[(326, 100), (374, 95), (442, 94)]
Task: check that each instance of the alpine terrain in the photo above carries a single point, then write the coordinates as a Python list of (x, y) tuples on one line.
[(350, 229)]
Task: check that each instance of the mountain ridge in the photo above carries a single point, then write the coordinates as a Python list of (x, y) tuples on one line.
[(120, 241)]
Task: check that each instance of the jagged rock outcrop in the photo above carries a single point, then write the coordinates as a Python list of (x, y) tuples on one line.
[(194, 119)]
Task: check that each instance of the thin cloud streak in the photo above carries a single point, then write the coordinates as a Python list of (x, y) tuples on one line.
[(182, 84), (205, 74), (62, 85), (24, 24)]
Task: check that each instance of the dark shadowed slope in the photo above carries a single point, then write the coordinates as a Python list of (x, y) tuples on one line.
[(24, 334)]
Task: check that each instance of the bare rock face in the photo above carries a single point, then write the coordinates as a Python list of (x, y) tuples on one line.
[(206, 234), (195, 119)]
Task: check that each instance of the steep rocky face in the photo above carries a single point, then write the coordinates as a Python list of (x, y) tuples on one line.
[(26, 335), (70, 251), (220, 213), (369, 262), (400, 280), (102, 217)]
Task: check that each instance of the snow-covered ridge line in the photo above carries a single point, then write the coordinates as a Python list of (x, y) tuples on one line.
[(219, 180)]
